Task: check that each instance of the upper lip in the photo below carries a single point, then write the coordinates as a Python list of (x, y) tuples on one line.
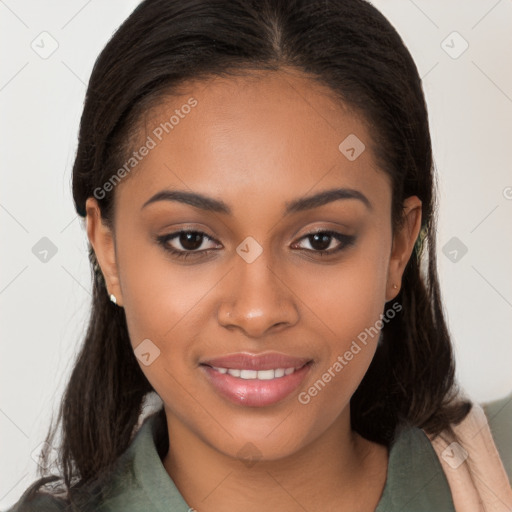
[(263, 361)]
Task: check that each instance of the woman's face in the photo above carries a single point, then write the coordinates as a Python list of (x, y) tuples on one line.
[(251, 278)]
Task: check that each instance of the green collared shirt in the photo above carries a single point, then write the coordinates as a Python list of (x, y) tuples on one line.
[(415, 480)]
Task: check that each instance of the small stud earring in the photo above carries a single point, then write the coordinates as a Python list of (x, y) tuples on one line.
[(395, 286), (113, 298)]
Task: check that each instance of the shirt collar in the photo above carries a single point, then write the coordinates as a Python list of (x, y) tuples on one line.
[(415, 478)]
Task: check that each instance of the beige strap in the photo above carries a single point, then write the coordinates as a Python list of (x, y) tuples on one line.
[(472, 465)]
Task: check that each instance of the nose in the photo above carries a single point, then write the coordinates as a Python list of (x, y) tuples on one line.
[(260, 300)]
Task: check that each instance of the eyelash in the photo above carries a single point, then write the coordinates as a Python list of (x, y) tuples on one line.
[(346, 241)]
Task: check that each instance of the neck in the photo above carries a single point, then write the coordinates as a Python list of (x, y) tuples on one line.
[(338, 470)]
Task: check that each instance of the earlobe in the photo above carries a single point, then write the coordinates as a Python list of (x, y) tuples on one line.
[(101, 239), (404, 240)]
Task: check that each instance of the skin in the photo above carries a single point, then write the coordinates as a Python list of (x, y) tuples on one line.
[(256, 143)]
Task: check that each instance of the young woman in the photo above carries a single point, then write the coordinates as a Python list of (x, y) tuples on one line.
[(259, 193)]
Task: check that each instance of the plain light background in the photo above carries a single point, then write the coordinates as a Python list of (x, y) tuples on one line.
[(44, 305)]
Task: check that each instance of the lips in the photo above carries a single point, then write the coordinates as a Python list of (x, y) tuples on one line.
[(264, 361), (255, 380)]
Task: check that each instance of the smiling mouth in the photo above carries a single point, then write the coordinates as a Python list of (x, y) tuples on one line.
[(256, 388), (248, 374)]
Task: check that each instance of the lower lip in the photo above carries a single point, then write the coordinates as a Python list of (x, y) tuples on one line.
[(255, 392)]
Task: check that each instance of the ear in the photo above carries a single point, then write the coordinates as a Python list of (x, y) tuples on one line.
[(101, 238), (404, 240)]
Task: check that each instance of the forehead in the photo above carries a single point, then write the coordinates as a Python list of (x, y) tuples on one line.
[(267, 135)]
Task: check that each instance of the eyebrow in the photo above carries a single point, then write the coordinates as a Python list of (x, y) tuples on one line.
[(298, 205)]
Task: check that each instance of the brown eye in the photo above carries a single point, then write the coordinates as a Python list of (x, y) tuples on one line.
[(321, 241), (186, 243), (190, 240)]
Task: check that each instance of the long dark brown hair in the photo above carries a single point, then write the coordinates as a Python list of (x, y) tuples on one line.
[(345, 44)]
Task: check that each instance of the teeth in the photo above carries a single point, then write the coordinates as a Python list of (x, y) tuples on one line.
[(256, 374), (265, 374)]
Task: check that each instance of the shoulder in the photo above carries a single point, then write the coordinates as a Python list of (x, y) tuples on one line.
[(415, 480), (499, 417), (88, 498), (40, 502), (116, 489)]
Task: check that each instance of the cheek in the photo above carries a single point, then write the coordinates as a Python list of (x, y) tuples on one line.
[(171, 306), (348, 297), (348, 303), (157, 293), (165, 303)]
